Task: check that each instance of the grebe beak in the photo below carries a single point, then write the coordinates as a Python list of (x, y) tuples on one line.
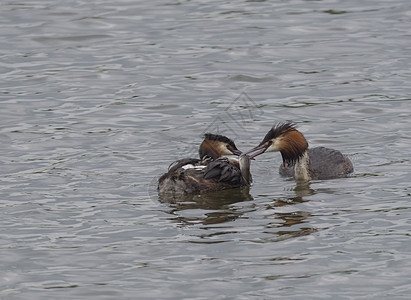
[(260, 150), (237, 152)]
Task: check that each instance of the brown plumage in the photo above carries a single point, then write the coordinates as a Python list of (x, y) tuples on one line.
[(216, 145)]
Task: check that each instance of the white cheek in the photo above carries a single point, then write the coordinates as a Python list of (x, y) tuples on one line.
[(274, 146), (224, 150)]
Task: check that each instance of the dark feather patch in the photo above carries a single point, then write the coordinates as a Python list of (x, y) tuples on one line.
[(279, 129), (222, 170), (292, 153)]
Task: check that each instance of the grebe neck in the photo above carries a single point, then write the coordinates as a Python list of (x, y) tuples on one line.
[(302, 169)]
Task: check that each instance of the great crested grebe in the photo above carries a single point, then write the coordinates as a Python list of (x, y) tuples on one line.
[(299, 161), (212, 172)]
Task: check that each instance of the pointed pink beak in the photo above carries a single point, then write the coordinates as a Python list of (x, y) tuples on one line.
[(258, 150)]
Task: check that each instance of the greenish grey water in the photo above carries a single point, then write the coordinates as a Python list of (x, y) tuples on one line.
[(98, 98)]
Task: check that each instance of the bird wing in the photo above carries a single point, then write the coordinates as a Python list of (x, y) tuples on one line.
[(222, 170)]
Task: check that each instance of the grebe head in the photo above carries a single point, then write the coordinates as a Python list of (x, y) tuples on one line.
[(283, 137), (215, 146), (244, 161)]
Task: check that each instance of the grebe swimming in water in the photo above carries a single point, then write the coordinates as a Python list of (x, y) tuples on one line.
[(212, 172), (299, 161)]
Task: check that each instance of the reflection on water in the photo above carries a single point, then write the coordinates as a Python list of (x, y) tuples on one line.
[(220, 201), (223, 207), (288, 224)]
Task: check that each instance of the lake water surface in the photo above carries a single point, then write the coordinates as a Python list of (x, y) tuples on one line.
[(99, 97)]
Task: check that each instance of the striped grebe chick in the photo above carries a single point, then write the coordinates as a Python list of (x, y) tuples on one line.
[(299, 161), (212, 172)]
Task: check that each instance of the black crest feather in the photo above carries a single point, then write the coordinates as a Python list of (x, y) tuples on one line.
[(279, 129), (220, 138)]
